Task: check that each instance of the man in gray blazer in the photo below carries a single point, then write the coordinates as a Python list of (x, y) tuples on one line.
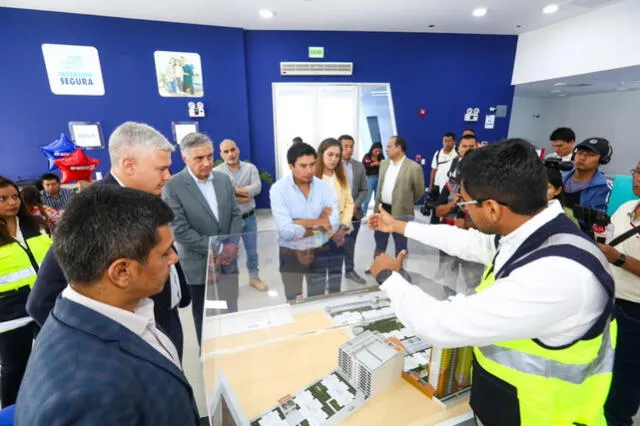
[(357, 177), (204, 205)]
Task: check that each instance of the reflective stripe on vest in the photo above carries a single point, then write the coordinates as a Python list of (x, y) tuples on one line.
[(532, 364), (17, 276)]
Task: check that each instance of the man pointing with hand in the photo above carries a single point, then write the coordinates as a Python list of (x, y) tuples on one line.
[(541, 319)]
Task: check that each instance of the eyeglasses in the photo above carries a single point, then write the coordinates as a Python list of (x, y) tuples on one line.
[(635, 171), (463, 204)]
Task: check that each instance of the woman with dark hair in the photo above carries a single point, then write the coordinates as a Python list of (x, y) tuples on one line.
[(23, 244), (33, 203), (371, 162), (329, 168), (555, 189)]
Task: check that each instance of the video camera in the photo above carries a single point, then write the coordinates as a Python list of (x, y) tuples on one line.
[(558, 164), (430, 200)]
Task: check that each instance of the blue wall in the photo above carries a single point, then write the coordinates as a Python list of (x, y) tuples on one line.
[(444, 73), (30, 115)]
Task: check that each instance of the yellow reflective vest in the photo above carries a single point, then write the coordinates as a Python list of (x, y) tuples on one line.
[(17, 265), (524, 382)]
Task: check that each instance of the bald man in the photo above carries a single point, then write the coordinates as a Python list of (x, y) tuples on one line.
[(246, 182)]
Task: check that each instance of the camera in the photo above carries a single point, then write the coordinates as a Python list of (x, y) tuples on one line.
[(591, 217), (558, 164), (431, 200)]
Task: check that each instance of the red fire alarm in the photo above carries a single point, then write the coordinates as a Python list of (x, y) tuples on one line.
[(422, 112)]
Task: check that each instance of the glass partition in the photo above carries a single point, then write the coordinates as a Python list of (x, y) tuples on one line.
[(318, 349)]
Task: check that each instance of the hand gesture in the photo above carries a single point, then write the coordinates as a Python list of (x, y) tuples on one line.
[(326, 213), (229, 252), (381, 221), (384, 261)]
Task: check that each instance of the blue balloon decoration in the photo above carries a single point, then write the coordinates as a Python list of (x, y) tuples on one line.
[(58, 149)]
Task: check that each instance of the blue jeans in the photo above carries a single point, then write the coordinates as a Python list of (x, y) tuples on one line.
[(250, 238), (372, 183)]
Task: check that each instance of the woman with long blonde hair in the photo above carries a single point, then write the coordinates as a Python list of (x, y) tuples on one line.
[(329, 168)]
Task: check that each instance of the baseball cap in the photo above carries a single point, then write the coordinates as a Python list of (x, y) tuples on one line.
[(598, 146)]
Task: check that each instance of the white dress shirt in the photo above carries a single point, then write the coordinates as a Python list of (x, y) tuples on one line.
[(142, 322), (554, 299), (386, 195), (208, 192), (442, 163), (623, 220), (348, 170)]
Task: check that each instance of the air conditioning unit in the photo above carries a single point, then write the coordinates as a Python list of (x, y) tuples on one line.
[(316, 68)]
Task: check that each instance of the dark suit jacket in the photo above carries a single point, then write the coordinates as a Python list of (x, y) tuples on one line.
[(51, 281), (86, 369)]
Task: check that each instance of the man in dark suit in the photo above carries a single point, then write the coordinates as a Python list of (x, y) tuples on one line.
[(100, 359), (357, 177), (140, 159), (204, 205)]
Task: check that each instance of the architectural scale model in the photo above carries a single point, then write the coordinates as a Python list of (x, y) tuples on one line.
[(367, 365)]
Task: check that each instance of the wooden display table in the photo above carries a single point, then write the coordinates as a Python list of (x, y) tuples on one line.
[(261, 373)]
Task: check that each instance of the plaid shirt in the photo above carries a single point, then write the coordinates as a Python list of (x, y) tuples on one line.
[(59, 203)]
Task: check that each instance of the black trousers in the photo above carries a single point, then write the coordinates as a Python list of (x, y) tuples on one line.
[(350, 246), (320, 266), (226, 284), (624, 396), (382, 238), (15, 348)]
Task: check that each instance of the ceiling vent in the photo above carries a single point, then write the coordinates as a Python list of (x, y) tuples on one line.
[(316, 68), (578, 85), (592, 4)]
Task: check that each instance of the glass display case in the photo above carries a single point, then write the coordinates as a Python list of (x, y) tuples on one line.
[(318, 349)]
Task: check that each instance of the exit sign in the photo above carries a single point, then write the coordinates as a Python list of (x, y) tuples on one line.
[(316, 52)]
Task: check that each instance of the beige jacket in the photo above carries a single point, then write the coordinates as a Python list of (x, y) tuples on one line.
[(408, 189), (345, 200)]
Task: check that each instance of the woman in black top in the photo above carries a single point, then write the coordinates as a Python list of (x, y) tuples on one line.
[(371, 163)]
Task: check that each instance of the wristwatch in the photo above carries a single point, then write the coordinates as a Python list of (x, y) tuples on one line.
[(618, 262), (383, 275)]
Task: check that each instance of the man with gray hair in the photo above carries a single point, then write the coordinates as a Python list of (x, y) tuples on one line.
[(246, 183), (140, 159), (204, 205)]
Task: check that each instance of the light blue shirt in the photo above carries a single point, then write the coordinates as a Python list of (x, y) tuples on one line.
[(348, 168), (208, 192), (289, 203)]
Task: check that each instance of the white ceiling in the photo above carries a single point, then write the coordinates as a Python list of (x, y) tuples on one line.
[(584, 84), (448, 16)]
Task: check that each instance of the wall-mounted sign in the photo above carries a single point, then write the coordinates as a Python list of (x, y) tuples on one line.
[(489, 121), (86, 135), (179, 74), (316, 52), (73, 70), (472, 114)]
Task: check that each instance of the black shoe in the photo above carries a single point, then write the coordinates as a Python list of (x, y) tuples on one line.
[(353, 276)]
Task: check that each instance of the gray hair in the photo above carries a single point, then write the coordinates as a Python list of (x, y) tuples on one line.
[(132, 135), (191, 140)]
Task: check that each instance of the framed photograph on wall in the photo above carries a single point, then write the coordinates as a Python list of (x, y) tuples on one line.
[(182, 129), (179, 74), (86, 135)]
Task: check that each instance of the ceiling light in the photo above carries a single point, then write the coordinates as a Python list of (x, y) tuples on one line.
[(558, 84), (556, 91), (266, 14), (637, 81), (479, 12), (562, 95), (621, 89), (551, 8)]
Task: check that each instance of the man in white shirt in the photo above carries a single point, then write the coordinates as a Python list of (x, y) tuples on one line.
[(207, 221), (543, 310), (624, 398), (401, 186), (100, 358), (563, 142), (442, 160)]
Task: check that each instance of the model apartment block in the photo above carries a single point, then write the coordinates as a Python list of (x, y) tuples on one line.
[(370, 363)]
